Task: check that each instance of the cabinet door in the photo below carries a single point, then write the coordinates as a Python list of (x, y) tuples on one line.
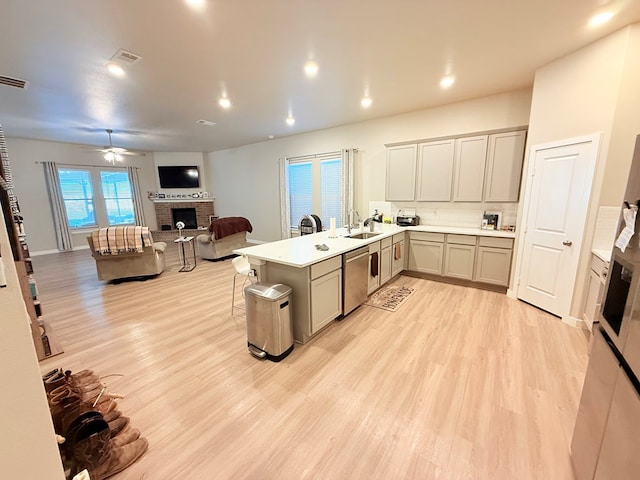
[(326, 299), (401, 172), (470, 160), (592, 301), (493, 265), (620, 453), (435, 171), (459, 260), (504, 167), (385, 265), (426, 256), (374, 281), (397, 260)]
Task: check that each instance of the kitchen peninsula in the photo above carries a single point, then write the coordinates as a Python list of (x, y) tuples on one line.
[(316, 276)]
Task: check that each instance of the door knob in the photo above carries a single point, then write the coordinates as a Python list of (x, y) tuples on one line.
[(567, 243)]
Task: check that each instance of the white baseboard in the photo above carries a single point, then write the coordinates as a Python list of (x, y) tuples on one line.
[(44, 252), (256, 242), (575, 322), (512, 294)]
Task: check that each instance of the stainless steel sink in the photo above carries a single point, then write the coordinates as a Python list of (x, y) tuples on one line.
[(364, 235)]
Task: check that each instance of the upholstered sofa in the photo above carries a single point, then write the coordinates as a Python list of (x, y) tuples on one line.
[(150, 261), (224, 236)]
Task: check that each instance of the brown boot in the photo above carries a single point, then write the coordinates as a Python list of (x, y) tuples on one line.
[(128, 435), (92, 450)]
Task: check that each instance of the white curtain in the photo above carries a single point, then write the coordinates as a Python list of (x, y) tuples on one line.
[(348, 157), (138, 210), (60, 220)]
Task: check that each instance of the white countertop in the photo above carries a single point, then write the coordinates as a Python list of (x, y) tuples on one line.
[(301, 251), (602, 254)]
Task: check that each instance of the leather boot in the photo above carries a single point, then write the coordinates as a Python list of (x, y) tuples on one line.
[(128, 435), (92, 450)]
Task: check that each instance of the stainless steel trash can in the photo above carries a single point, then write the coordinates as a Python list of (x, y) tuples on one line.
[(269, 323)]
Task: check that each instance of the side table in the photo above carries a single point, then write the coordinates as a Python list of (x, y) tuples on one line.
[(186, 263)]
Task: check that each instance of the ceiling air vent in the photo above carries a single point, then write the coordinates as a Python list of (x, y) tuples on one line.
[(14, 82), (208, 123), (125, 57)]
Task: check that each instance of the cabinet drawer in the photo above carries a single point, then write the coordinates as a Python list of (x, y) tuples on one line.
[(496, 242), (461, 239), (427, 236), (326, 266), (374, 247), (385, 242), (599, 266), (398, 237)]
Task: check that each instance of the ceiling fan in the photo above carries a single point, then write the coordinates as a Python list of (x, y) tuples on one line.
[(115, 154)]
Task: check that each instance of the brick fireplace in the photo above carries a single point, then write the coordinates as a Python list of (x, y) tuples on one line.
[(164, 215)]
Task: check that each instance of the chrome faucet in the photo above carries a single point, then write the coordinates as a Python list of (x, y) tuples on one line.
[(350, 223)]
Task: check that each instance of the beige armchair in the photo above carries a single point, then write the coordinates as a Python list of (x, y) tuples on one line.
[(224, 236), (211, 249), (129, 264)]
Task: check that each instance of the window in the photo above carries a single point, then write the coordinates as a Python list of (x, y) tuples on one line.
[(85, 209), (300, 190), (118, 198), (77, 193), (315, 186), (331, 190)]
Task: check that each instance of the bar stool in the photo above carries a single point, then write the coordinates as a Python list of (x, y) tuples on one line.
[(242, 267)]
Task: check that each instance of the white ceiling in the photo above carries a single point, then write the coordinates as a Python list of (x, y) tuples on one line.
[(254, 50)]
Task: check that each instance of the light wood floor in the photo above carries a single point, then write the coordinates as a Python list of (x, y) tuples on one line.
[(458, 384)]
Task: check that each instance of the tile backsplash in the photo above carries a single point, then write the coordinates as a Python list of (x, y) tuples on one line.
[(606, 224), (457, 214)]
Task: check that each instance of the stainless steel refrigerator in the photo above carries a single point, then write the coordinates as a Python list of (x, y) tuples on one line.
[(606, 438)]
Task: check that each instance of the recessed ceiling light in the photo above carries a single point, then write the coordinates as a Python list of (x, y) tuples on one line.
[(224, 102), (208, 123), (447, 81), (290, 120), (600, 19), (311, 68), (195, 3), (366, 102), (115, 69), (270, 137)]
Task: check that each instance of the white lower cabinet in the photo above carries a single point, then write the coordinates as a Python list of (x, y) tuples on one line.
[(326, 299), (426, 252), (385, 260), (459, 260), (397, 254), (467, 257), (374, 267), (493, 260), (595, 288)]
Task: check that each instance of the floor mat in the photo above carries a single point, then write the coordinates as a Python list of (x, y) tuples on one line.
[(390, 298)]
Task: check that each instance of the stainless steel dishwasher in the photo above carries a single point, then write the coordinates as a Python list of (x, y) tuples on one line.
[(354, 279)]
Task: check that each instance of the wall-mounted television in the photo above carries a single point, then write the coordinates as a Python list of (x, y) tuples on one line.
[(179, 176)]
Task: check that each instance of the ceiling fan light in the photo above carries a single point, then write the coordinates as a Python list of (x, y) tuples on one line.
[(110, 157), (118, 157)]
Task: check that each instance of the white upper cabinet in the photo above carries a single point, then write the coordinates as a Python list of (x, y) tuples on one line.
[(401, 172), (435, 171), (470, 160), (504, 167)]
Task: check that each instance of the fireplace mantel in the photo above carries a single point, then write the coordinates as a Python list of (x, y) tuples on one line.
[(181, 200)]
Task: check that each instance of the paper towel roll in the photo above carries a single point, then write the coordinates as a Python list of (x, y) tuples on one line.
[(332, 227)]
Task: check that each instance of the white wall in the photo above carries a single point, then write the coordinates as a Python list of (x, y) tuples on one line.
[(31, 189), (245, 179), (593, 90), (27, 446)]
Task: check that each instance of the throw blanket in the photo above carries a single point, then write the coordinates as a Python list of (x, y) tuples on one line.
[(223, 227), (115, 240)]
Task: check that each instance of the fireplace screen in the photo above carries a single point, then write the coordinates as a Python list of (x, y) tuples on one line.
[(186, 215)]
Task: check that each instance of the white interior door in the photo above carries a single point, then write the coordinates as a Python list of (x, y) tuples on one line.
[(555, 214)]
